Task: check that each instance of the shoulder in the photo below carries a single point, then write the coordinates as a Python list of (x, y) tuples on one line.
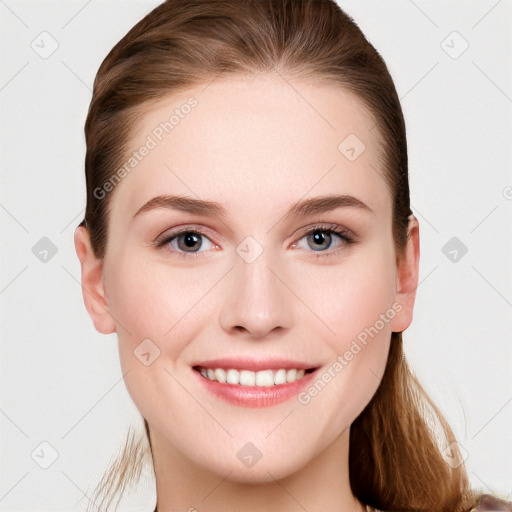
[(485, 503), (492, 503)]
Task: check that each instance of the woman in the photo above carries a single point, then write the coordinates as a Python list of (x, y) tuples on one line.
[(248, 235)]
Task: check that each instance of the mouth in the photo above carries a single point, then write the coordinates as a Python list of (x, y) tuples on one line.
[(250, 378), (253, 384)]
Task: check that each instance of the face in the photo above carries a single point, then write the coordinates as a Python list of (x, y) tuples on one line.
[(255, 282)]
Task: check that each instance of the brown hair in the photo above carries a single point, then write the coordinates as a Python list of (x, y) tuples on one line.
[(396, 457)]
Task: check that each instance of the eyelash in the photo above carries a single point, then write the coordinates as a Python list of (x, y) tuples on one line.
[(344, 234)]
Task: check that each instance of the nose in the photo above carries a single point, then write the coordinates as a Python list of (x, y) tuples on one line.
[(258, 299)]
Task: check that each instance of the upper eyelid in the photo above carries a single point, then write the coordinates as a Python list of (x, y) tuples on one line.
[(328, 226), (174, 232), (325, 226)]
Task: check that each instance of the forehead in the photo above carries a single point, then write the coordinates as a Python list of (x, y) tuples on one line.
[(253, 143)]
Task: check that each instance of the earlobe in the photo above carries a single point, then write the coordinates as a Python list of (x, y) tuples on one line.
[(93, 290), (407, 277)]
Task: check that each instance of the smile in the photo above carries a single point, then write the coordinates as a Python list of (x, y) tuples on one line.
[(253, 378), (254, 388)]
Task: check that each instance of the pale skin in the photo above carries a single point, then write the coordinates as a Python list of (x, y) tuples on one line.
[(256, 147)]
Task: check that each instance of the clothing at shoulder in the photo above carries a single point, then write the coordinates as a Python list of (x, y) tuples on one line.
[(486, 503), (492, 503)]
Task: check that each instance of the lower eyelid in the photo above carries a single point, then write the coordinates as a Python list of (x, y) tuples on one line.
[(168, 239), (345, 238)]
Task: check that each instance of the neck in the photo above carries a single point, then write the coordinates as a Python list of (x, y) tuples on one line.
[(323, 484)]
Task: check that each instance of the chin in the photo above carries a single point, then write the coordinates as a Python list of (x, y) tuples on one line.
[(258, 470)]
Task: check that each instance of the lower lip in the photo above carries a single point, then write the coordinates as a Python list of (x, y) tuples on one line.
[(255, 396)]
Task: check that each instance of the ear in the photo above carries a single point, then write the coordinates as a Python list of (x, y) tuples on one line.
[(407, 278), (93, 290)]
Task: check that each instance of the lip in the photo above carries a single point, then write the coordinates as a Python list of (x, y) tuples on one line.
[(254, 396), (255, 365)]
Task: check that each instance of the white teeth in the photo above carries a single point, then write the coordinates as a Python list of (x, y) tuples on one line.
[(291, 375), (265, 378), (232, 377), (247, 378), (280, 377), (250, 378), (220, 375)]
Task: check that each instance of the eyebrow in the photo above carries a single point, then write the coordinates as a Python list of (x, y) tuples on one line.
[(205, 208)]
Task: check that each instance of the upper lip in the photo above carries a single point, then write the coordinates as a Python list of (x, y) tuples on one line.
[(245, 363)]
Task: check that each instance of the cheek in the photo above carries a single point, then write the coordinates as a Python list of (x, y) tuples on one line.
[(351, 297), (151, 298), (153, 306), (355, 305), (151, 301)]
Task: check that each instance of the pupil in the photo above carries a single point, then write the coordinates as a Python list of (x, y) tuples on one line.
[(190, 239), (319, 236)]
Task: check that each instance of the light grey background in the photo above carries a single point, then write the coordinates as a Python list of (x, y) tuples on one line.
[(61, 380)]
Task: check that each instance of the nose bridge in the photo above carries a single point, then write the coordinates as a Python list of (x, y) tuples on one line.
[(257, 299)]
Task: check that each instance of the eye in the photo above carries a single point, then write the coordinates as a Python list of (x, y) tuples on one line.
[(185, 243), (320, 237)]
